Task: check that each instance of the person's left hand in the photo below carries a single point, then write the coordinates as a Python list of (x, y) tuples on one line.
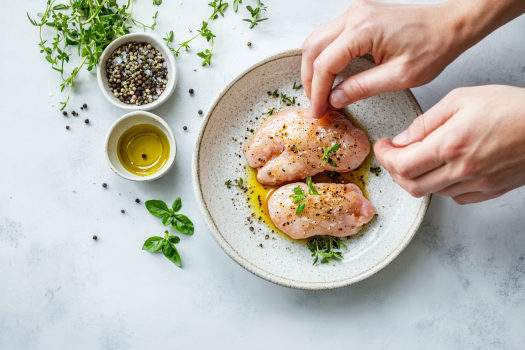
[(470, 146)]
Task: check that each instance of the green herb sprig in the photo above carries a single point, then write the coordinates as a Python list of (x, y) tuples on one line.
[(270, 111), (300, 197), (157, 2), (218, 9), (375, 170), (329, 152), (285, 98), (167, 244), (324, 246), (91, 26), (169, 216), (236, 4), (255, 14), (296, 87)]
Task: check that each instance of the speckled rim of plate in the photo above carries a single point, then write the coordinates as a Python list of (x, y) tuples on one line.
[(290, 283)]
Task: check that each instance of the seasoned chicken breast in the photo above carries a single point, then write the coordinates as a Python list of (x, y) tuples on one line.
[(340, 210), (289, 146)]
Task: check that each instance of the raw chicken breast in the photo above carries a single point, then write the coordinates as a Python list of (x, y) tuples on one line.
[(289, 146), (340, 210)]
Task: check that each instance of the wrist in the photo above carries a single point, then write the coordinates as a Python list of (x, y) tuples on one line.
[(467, 22)]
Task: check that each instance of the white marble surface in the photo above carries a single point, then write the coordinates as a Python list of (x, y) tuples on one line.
[(458, 285)]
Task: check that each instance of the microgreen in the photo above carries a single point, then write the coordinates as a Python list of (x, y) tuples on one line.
[(375, 170), (270, 112), (157, 2), (236, 4), (91, 26), (255, 14), (296, 87), (286, 98), (274, 94), (299, 196), (179, 222), (324, 246), (228, 183), (166, 244), (329, 152), (240, 181)]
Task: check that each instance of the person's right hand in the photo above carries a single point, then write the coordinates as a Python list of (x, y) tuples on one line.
[(411, 45)]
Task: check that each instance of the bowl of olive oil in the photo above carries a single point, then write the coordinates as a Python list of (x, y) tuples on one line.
[(140, 146)]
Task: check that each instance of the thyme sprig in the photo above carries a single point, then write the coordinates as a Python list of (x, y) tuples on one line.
[(255, 14), (299, 196), (324, 246), (329, 152), (91, 26)]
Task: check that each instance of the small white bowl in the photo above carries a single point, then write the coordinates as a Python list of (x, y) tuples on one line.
[(124, 123), (166, 54)]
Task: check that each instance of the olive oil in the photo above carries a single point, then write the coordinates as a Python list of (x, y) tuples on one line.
[(143, 149), (258, 194)]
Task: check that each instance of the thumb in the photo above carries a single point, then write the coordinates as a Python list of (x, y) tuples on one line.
[(382, 78), (426, 123)]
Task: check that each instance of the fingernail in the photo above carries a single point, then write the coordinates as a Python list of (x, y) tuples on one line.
[(338, 99), (402, 139)]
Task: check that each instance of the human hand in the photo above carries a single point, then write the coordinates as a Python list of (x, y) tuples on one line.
[(470, 146), (411, 45)]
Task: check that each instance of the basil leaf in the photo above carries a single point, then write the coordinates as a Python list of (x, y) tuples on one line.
[(182, 224), (172, 254), (153, 244), (167, 219), (157, 208), (174, 239), (298, 199), (177, 205), (300, 208)]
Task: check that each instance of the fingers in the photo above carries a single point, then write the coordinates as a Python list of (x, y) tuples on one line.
[(366, 84), (314, 45), (411, 161), (431, 182), (426, 123), (473, 197)]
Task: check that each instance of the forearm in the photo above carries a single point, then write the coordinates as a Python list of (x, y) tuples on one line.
[(473, 20)]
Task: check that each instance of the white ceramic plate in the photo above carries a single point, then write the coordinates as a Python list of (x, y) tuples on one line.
[(225, 131)]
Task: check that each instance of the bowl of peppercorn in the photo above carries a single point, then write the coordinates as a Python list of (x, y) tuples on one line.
[(137, 72)]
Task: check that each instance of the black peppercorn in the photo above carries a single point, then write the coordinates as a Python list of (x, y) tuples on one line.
[(249, 44), (84, 105), (122, 211), (251, 228), (81, 107), (137, 200), (104, 185), (191, 91), (95, 238), (64, 113), (200, 111), (73, 112), (86, 121), (143, 156), (185, 127), (67, 127)]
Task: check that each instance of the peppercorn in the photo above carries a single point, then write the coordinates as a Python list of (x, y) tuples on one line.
[(104, 185), (122, 211), (137, 200), (86, 121), (200, 111), (67, 127), (84, 105), (95, 238), (260, 245), (64, 113), (251, 228), (81, 107), (184, 127), (249, 44), (73, 112), (143, 156), (191, 91)]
